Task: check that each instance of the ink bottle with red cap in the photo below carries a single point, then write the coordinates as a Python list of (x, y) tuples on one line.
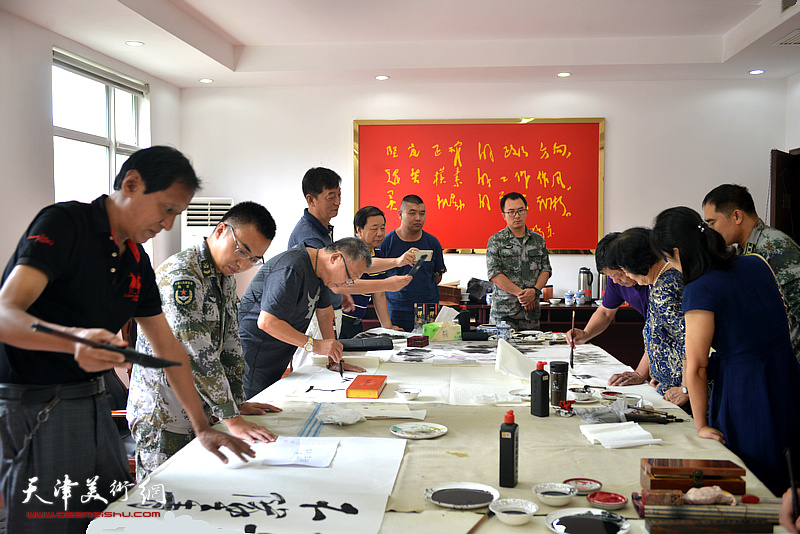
[(540, 391), (509, 451)]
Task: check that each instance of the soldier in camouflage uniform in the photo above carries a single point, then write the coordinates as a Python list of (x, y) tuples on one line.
[(518, 264), (198, 293), (730, 210)]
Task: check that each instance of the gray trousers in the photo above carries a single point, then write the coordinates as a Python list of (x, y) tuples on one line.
[(78, 441)]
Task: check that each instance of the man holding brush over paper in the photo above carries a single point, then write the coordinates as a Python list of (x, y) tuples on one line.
[(81, 268)]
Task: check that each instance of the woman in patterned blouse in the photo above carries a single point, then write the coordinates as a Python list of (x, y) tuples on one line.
[(664, 329)]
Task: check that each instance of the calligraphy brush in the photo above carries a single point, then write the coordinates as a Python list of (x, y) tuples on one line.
[(572, 345), (486, 516), (795, 504), (341, 362)]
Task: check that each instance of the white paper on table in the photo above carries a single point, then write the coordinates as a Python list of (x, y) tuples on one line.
[(512, 362), (618, 435), (308, 452)]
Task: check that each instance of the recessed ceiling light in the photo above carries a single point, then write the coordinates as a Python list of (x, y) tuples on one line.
[(755, 72), (134, 43), (564, 74), (381, 77), (205, 80)]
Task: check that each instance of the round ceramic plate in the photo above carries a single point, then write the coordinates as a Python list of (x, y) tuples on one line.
[(524, 394), (418, 430), (586, 401), (585, 486), (607, 500), (461, 495), (605, 521), (611, 395)]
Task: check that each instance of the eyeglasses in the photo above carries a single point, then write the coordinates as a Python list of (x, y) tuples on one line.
[(349, 280), (513, 213), (241, 252)]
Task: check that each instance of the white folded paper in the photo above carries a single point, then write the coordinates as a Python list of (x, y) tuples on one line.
[(446, 313), (512, 362), (309, 452), (618, 435)]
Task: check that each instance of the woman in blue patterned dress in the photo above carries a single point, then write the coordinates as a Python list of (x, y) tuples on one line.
[(664, 329), (733, 304)]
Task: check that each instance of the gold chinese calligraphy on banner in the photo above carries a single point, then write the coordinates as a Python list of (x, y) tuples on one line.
[(462, 168)]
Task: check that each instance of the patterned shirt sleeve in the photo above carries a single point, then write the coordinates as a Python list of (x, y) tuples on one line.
[(231, 357), (493, 265), (193, 316), (545, 258), (665, 331)]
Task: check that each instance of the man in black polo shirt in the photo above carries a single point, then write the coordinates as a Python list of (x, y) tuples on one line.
[(81, 268)]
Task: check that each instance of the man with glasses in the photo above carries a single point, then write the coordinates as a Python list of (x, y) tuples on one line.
[(280, 301), (518, 264), (198, 296), (81, 268)]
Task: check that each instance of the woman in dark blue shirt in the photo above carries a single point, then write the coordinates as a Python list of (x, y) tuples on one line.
[(733, 305)]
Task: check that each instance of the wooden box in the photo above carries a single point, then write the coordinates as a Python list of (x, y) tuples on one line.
[(450, 294), (366, 387), (684, 474)]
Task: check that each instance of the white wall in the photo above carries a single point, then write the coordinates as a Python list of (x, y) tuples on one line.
[(26, 125), (792, 113), (667, 143)]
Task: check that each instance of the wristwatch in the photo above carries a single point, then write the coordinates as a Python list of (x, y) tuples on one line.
[(684, 390), (309, 346)]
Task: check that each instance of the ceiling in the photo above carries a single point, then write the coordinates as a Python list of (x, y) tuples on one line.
[(240, 43)]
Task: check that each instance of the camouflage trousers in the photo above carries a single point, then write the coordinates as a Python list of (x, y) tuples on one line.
[(518, 324), (154, 446)]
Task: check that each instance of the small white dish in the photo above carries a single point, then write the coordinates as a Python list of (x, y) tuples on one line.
[(607, 500), (580, 394), (554, 493), (554, 301), (524, 394), (514, 511), (418, 430), (407, 394), (585, 486)]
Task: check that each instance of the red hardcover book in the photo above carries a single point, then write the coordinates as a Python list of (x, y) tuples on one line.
[(366, 387)]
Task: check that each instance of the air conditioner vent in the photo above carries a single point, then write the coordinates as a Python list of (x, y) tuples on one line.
[(200, 218), (793, 39)]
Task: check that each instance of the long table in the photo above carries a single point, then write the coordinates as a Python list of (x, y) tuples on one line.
[(552, 449)]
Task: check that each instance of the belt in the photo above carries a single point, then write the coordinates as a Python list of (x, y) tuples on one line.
[(31, 394)]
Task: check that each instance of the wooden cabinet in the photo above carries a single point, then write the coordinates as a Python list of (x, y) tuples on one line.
[(622, 339)]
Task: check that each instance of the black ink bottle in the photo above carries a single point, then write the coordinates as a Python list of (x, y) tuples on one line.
[(540, 391), (509, 451)]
